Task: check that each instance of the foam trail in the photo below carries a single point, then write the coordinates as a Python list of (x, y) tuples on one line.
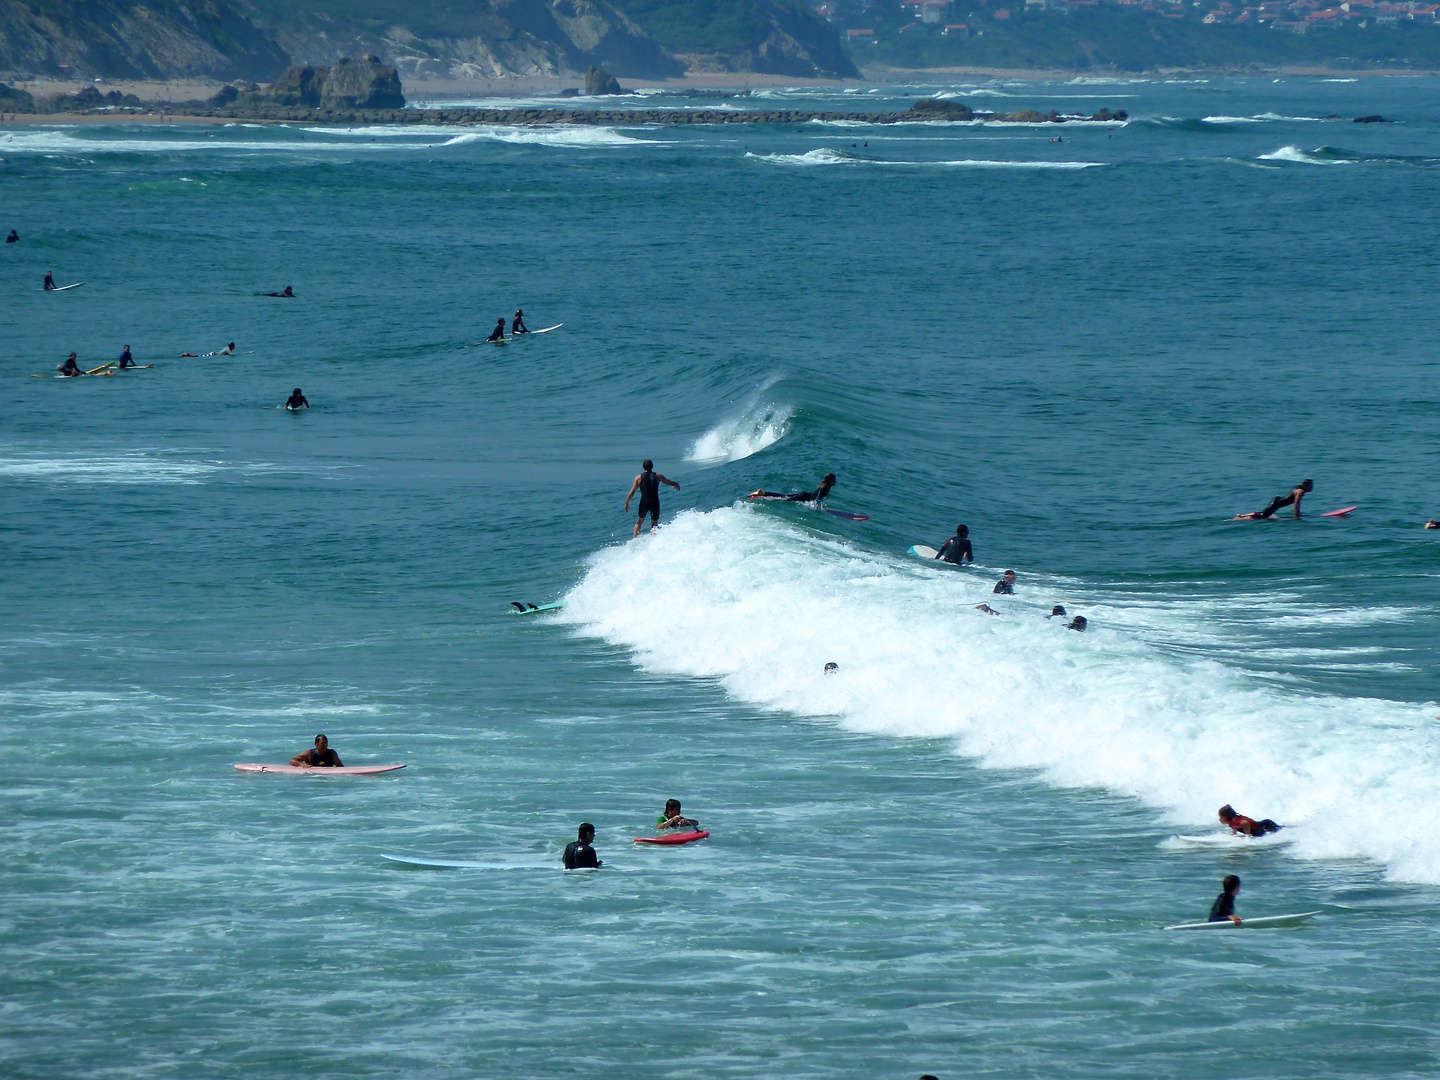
[(826, 156), (735, 595), (758, 424)]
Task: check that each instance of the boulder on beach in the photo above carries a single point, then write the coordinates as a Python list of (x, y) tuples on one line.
[(599, 81), (347, 84), (13, 100), (942, 109)]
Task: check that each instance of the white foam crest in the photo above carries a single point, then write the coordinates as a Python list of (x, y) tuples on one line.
[(124, 467), (577, 135), (1230, 120), (758, 423), (59, 142), (826, 156), (737, 596), (1295, 154)]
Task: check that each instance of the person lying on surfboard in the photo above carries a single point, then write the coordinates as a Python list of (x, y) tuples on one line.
[(800, 496), (578, 853), (498, 334), (322, 757), (1280, 502), (517, 325), (673, 819), (288, 291), (296, 400), (1224, 906), (1246, 826), (957, 549)]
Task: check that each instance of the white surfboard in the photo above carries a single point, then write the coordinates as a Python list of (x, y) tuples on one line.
[(1247, 924), (63, 288), (1230, 841), (547, 329), (461, 864), (923, 552)]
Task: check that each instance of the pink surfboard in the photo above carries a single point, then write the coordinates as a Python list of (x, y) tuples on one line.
[(1339, 513), (349, 770), (673, 838)]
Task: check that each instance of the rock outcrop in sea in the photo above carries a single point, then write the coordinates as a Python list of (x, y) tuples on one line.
[(347, 84), (598, 81)]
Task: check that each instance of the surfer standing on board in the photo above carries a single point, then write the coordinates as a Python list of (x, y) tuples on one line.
[(1224, 906), (1280, 502), (648, 483), (579, 854), (1247, 826), (957, 549), (322, 757), (800, 496)]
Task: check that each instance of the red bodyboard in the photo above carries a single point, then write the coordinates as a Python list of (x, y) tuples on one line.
[(673, 838)]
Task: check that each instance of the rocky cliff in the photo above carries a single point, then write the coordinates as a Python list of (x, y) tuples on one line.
[(776, 37)]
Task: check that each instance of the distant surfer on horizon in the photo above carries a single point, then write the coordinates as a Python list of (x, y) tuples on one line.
[(800, 496), (1246, 826), (287, 291), (296, 400), (13, 238), (579, 854), (1280, 502), (1432, 524), (517, 326), (1006, 585), (673, 819), (498, 334), (49, 281), (69, 368), (322, 757), (957, 549), (1224, 906), (648, 483)]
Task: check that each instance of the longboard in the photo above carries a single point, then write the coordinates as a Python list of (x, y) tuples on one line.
[(534, 609), (64, 288), (1247, 924), (460, 864), (1341, 512), (348, 770), (923, 552), (673, 838), (102, 367), (1231, 841), (543, 330)]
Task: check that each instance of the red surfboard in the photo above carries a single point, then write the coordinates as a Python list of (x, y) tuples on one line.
[(673, 838), (1341, 512)]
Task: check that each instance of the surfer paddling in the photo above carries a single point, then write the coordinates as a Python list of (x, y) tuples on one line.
[(957, 549), (1246, 826), (296, 400), (579, 854), (287, 291), (800, 496), (322, 757), (673, 819), (1280, 502), (648, 484), (1224, 906)]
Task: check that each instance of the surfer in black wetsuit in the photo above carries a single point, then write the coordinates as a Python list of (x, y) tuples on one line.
[(126, 360), (288, 291), (322, 757), (517, 325), (800, 496), (1280, 502), (49, 281), (498, 334), (1077, 623), (578, 853), (1224, 906), (69, 367), (648, 483), (957, 549), (1006, 585), (13, 238), (296, 400)]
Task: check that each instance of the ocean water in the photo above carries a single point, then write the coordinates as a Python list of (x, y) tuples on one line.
[(954, 855)]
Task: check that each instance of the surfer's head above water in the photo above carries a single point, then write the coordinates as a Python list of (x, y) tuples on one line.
[(1077, 623), (962, 531), (586, 832), (647, 464), (831, 668), (1058, 609)]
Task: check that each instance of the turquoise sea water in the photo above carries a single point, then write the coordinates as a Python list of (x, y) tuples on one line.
[(955, 855)]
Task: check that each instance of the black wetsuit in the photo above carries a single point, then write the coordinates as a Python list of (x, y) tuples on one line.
[(579, 854), (801, 496), (517, 326), (498, 334), (126, 360), (1004, 588), (70, 368), (13, 237), (1222, 909), (49, 282), (1279, 503), (650, 494), (294, 402), (326, 760), (956, 550)]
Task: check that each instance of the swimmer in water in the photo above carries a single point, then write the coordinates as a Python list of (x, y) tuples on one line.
[(957, 549), (296, 401), (800, 496), (1058, 609), (579, 854), (517, 325), (1006, 585), (648, 483), (1246, 826), (498, 334), (673, 819), (1280, 502), (322, 757), (1077, 623)]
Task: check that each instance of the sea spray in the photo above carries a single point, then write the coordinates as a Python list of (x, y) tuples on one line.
[(735, 595), (758, 423)]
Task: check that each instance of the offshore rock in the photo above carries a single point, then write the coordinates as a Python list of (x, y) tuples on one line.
[(941, 109), (598, 81), (348, 84)]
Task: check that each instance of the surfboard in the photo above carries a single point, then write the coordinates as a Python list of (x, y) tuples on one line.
[(542, 330), (846, 514), (1341, 512), (767, 498), (348, 770), (102, 367), (534, 609), (674, 838), (64, 288), (461, 864), (1248, 924), (295, 408), (922, 552), (1231, 841), (498, 341)]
